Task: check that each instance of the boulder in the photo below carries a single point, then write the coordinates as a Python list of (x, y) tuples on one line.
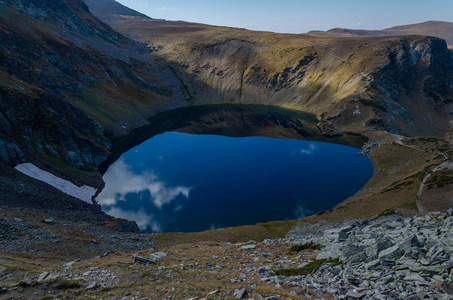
[(92, 286), (348, 250), (240, 293), (140, 259), (392, 253), (337, 234), (157, 256), (248, 247), (43, 276), (332, 251)]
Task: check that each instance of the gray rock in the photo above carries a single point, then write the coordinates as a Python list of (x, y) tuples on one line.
[(92, 286), (413, 277), (51, 220), (43, 276), (372, 264), (348, 250), (391, 253), (212, 293), (10, 153), (330, 252), (240, 293), (248, 247), (140, 259), (157, 256), (387, 258), (383, 244), (337, 233), (265, 269), (69, 264), (355, 295)]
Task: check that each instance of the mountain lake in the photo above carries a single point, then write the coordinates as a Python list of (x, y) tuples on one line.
[(177, 182)]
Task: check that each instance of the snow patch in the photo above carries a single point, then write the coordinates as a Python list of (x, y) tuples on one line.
[(84, 193)]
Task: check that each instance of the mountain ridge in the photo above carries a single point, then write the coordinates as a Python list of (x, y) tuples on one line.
[(439, 29)]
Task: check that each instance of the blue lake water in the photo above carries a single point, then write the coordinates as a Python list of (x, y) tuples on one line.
[(183, 182)]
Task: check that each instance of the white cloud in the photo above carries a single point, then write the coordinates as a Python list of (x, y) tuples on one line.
[(121, 180), (310, 149), (140, 217), (164, 8)]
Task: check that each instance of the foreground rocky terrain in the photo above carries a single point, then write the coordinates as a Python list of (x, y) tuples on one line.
[(386, 257)]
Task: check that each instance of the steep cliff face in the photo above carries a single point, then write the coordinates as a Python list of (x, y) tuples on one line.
[(44, 123), (415, 87)]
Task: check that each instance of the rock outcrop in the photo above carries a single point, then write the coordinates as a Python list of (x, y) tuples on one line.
[(387, 257)]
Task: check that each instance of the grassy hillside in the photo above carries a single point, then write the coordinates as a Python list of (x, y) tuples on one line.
[(350, 84)]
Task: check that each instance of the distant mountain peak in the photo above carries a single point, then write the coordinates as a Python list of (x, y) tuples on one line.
[(108, 9), (441, 29)]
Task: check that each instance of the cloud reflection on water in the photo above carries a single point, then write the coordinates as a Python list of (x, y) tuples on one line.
[(310, 149), (302, 211), (150, 193), (144, 220), (121, 180)]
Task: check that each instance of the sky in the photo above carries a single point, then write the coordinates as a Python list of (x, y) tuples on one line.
[(297, 16)]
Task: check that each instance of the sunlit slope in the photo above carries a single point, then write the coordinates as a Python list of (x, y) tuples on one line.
[(399, 84)]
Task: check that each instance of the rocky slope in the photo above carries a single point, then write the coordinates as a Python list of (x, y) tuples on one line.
[(388, 257)]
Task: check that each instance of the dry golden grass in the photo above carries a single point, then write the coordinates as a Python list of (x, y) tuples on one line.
[(189, 270)]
